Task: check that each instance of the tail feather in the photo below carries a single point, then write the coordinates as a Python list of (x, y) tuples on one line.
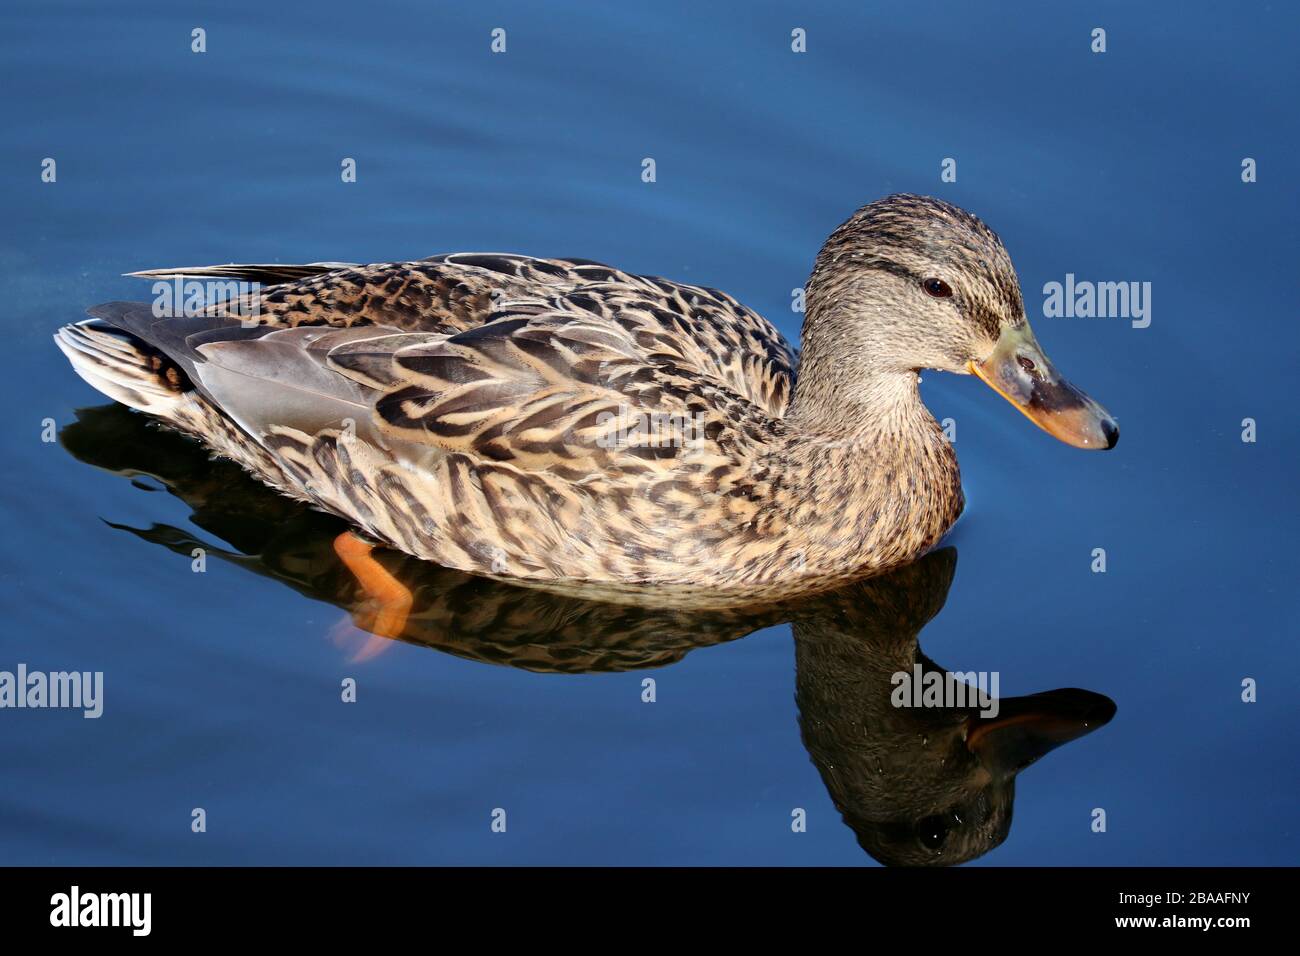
[(122, 367), (171, 335)]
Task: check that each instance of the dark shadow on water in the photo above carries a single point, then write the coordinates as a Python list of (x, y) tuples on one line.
[(918, 785)]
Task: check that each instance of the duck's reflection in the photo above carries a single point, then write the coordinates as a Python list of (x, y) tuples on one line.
[(918, 785)]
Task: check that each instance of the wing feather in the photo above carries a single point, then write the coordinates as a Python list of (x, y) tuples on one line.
[(568, 392)]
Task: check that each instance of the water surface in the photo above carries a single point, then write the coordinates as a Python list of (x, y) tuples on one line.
[(223, 688)]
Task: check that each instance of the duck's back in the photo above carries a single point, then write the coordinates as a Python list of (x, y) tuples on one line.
[(696, 328), (458, 407)]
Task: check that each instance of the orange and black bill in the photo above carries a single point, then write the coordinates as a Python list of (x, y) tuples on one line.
[(1020, 372)]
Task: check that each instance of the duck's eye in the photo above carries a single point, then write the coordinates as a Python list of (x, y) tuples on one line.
[(937, 288), (932, 832)]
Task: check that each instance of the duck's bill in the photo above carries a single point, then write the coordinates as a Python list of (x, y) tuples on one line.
[(1020, 372), (1026, 728)]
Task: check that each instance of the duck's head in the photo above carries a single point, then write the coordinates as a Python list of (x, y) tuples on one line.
[(921, 785), (944, 794), (910, 283)]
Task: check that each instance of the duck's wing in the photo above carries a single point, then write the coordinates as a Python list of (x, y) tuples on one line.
[(557, 440), (580, 387), (698, 328), (702, 330)]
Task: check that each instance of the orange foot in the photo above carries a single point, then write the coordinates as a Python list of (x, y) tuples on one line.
[(384, 614)]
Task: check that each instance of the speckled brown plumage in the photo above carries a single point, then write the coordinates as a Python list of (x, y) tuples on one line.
[(472, 409)]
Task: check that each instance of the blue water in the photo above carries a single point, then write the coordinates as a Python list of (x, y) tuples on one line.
[(222, 689)]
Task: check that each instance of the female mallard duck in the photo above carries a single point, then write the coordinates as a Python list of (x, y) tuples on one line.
[(561, 422)]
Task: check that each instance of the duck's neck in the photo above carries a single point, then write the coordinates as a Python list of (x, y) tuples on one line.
[(877, 424), (881, 479), (832, 399), (857, 395)]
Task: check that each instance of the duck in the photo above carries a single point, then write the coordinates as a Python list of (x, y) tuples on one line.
[(559, 422)]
